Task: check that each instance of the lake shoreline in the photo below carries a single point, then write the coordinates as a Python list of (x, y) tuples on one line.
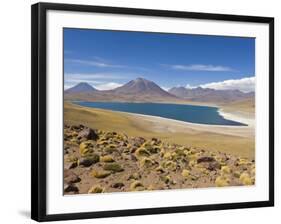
[(228, 116), (238, 140)]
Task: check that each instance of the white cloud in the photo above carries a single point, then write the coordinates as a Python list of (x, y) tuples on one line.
[(245, 84), (93, 76), (96, 63), (190, 87), (201, 67), (108, 86)]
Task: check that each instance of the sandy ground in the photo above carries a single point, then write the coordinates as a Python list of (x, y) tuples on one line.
[(237, 140)]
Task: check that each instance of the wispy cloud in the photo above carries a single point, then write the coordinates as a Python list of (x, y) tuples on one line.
[(201, 67), (245, 84), (94, 76), (96, 63)]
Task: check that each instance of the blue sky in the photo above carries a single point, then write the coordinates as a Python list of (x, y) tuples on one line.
[(107, 59)]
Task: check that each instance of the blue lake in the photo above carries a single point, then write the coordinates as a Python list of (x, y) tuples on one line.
[(187, 113)]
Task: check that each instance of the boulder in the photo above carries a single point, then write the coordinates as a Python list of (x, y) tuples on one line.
[(70, 188), (89, 160), (88, 134), (70, 177)]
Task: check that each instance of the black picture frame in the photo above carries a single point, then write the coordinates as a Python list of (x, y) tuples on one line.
[(38, 108)]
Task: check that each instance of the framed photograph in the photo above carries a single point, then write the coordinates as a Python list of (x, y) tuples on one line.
[(139, 111)]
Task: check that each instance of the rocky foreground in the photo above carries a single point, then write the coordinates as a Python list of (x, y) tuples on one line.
[(96, 161)]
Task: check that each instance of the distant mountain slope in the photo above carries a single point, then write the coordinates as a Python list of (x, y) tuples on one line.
[(142, 90), (209, 95), (142, 86), (81, 87), (138, 90)]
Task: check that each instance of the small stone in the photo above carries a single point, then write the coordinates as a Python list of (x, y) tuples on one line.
[(71, 165), (71, 188), (205, 159), (213, 166), (118, 185), (89, 160), (70, 177)]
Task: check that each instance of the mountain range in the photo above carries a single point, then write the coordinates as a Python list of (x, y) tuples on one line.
[(142, 90)]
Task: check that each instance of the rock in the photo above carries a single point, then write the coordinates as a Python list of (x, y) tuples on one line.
[(106, 159), (70, 177), (118, 185), (70, 188), (205, 159), (221, 181), (96, 189), (115, 167), (89, 160), (213, 166), (133, 157), (138, 141), (71, 165), (88, 134), (100, 174)]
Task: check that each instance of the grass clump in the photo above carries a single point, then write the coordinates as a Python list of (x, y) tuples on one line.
[(146, 162), (96, 189), (107, 159), (100, 174), (136, 186), (142, 152), (245, 179), (185, 173), (222, 181), (115, 167)]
